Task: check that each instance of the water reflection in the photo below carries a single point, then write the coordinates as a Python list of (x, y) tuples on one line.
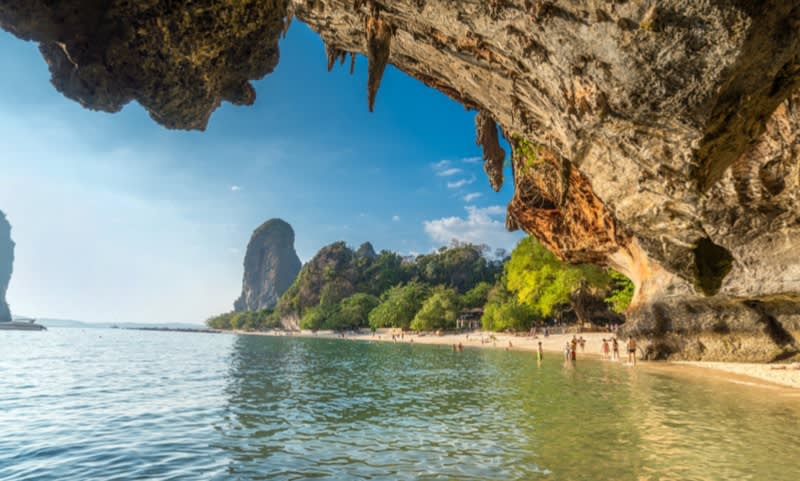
[(302, 408), (121, 405)]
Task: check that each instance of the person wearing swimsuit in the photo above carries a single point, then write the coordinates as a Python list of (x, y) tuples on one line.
[(632, 350)]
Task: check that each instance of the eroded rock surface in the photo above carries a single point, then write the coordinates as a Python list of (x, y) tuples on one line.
[(179, 60), (656, 137), (6, 265), (270, 266)]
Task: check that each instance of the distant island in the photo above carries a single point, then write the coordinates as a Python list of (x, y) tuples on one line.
[(6, 265), (69, 323)]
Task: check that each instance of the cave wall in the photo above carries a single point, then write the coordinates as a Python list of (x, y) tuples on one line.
[(656, 137)]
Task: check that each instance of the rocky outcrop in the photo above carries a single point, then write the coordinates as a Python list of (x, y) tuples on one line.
[(366, 251), (6, 265), (179, 60), (270, 266), (656, 137)]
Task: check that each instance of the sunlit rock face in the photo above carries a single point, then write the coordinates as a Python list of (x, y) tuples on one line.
[(6, 265), (656, 137), (270, 266)]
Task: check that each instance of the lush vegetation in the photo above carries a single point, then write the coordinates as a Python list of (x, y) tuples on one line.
[(537, 286), (399, 305), (343, 289), (248, 321), (439, 311)]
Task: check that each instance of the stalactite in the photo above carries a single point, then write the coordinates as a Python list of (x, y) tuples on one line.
[(334, 54), (288, 23), (493, 153), (379, 39)]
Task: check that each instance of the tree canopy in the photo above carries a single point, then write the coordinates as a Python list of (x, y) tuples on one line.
[(439, 311), (541, 281), (399, 305)]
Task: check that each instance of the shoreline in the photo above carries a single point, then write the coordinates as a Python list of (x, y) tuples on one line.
[(761, 375)]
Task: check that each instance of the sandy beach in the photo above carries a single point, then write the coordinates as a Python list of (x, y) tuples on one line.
[(742, 373)]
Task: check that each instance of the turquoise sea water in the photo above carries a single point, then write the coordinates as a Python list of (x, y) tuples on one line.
[(128, 405)]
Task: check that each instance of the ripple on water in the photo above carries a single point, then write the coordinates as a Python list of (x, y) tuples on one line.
[(125, 405)]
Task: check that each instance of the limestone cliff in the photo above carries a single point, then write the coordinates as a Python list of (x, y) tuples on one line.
[(658, 137), (6, 265), (270, 266)]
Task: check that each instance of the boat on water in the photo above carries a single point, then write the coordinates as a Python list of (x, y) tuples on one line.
[(21, 325)]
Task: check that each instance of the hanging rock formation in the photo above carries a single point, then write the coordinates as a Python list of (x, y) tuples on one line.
[(659, 137), (6, 265), (270, 266)]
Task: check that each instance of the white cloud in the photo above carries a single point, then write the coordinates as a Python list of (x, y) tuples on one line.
[(235, 188), (472, 160), (449, 172), (481, 226), (472, 196), (442, 164), (457, 184), (396, 218)]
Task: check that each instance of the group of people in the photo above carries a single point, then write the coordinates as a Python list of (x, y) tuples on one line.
[(609, 349), (612, 352), (571, 348)]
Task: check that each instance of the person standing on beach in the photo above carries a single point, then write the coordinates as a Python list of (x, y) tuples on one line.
[(632, 350)]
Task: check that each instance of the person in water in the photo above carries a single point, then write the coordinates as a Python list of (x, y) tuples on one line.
[(632, 350), (573, 355), (605, 348), (615, 348), (539, 352), (566, 351)]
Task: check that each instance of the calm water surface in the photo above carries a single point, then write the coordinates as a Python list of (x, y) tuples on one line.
[(128, 405)]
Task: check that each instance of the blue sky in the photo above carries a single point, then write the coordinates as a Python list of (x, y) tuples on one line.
[(117, 219)]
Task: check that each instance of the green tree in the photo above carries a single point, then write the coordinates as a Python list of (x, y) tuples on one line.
[(508, 315), (317, 317), (477, 296), (461, 267), (382, 272), (543, 282), (439, 311), (353, 312), (398, 306), (621, 292)]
